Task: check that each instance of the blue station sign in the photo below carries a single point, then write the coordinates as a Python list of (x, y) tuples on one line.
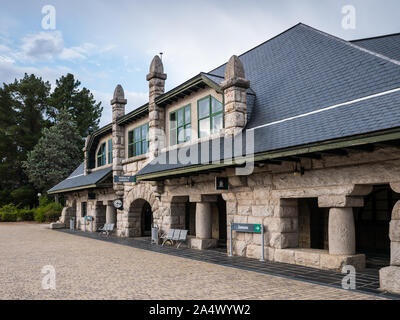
[(246, 227), (124, 179)]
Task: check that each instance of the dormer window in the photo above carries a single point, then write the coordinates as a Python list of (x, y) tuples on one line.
[(101, 155), (180, 125), (138, 141), (211, 116)]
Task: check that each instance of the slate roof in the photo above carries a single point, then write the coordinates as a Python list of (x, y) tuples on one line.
[(78, 179), (313, 85), (304, 70), (388, 45)]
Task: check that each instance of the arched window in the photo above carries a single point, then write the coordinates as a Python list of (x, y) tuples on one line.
[(101, 155)]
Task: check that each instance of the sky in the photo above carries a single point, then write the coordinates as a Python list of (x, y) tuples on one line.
[(105, 43)]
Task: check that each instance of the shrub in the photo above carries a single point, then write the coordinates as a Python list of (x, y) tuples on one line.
[(44, 200), (38, 215), (25, 215), (8, 213), (49, 213)]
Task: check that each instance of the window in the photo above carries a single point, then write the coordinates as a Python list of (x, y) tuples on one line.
[(180, 126), (138, 141), (101, 155), (110, 157), (83, 209), (211, 116)]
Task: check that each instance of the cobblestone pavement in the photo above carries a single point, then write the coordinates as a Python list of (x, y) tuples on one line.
[(92, 269)]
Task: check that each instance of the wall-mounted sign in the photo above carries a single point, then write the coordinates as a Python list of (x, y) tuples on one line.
[(124, 179), (245, 227), (221, 183), (118, 204)]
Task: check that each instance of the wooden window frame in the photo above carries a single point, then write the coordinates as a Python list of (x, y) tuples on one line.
[(132, 142), (183, 125), (211, 115)]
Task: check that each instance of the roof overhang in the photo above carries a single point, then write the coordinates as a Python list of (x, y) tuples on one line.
[(320, 147), (192, 85), (134, 115), (98, 184)]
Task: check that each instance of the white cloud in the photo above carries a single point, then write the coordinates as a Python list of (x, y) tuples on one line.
[(9, 71), (50, 45), (44, 45)]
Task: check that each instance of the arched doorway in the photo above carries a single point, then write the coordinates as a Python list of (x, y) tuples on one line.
[(140, 218), (146, 220)]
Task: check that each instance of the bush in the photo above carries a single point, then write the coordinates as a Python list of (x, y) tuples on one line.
[(25, 215), (44, 200), (8, 213), (49, 213)]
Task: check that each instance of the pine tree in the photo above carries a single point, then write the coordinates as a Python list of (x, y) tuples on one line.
[(79, 103), (57, 153)]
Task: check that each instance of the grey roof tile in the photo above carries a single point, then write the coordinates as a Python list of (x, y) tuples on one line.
[(78, 179)]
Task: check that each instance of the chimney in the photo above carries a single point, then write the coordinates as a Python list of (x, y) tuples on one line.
[(156, 78), (235, 86), (118, 110)]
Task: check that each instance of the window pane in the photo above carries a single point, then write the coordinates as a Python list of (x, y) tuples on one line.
[(130, 151), (172, 119), (172, 137), (181, 135), (204, 108), (137, 149), (188, 132), (217, 123), (179, 115), (144, 132), (137, 134), (187, 115), (216, 106), (204, 128), (130, 136), (144, 147)]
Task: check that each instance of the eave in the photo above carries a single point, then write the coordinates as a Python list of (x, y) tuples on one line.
[(192, 85)]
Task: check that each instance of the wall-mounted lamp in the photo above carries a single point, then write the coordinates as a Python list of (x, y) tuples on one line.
[(298, 171), (189, 183)]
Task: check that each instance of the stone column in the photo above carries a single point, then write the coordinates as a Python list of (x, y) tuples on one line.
[(341, 232), (111, 213), (203, 220), (156, 79), (118, 110), (85, 150), (342, 236), (203, 238), (235, 88)]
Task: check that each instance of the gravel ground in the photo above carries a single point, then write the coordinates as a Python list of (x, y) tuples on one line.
[(92, 269)]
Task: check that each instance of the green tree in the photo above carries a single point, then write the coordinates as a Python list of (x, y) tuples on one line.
[(79, 103), (56, 154), (23, 105)]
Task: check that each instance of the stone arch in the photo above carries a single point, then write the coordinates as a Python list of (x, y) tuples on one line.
[(134, 201)]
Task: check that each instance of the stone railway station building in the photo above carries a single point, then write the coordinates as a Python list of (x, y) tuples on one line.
[(314, 125)]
